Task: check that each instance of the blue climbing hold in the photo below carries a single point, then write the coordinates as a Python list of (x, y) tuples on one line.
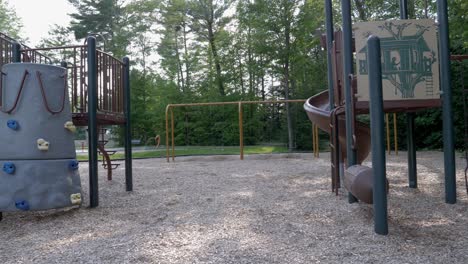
[(9, 167), (73, 165), (22, 205), (13, 124)]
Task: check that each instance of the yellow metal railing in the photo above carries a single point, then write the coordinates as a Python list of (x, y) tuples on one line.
[(170, 107)]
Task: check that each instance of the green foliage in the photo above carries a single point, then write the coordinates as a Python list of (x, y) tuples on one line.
[(189, 51), (10, 23)]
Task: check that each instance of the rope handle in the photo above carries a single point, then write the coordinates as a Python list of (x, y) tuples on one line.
[(26, 73), (44, 97)]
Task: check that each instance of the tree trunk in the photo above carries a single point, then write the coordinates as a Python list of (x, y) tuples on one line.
[(186, 59), (214, 51), (179, 64)]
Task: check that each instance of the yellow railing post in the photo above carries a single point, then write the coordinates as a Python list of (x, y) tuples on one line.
[(167, 132), (172, 132), (241, 132)]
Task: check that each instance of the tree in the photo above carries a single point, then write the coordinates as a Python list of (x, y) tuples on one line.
[(208, 20), (10, 23), (105, 19)]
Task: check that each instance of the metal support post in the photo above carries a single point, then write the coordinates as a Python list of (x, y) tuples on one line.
[(128, 126), (92, 124), (347, 71), (412, 172), (16, 52), (329, 26), (377, 137), (412, 169), (241, 132), (447, 117)]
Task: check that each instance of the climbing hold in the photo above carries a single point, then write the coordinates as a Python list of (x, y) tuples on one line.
[(22, 205), (73, 165), (75, 198), (9, 167), (13, 124), (70, 126), (42, 144)]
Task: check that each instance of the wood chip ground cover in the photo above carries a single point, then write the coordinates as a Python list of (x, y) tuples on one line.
[(265, 209)]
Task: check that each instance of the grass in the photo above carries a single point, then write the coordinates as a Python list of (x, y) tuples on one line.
[(191, 151)]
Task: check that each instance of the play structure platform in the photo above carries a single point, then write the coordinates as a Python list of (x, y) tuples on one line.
[(98, 86)]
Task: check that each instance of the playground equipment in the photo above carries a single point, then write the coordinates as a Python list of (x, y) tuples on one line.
[(99, 94), (40, 170), (170, 107), (410, 70)]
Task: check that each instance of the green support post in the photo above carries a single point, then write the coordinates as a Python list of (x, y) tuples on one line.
[(412, 169), (331, 95), (411, 145), (377, 137), (347, 72), (447, 114), (128, 127), (329, 26), (16, 52), (92, 124)]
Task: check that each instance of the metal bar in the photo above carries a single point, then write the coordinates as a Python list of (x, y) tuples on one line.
[(92, 124), (243, 102), (171, 106), (241, 132), (329, 26), (412, 169), (404, 9), (412, 173), (447, 117), (55, 48), (377, 137), (16, 52), (172, 133), (313, 139), (167, 132), (388, 132), (317, 141), (395, 134), (128, 127), (347, 71)]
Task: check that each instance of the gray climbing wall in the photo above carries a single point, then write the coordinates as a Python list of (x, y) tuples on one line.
[(39, 170)]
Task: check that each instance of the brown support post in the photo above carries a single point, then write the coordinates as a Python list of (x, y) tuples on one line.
[(241, 133), (395, 133)]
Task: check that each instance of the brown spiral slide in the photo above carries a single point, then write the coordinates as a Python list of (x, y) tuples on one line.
[(318, 109), (357, 179)]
